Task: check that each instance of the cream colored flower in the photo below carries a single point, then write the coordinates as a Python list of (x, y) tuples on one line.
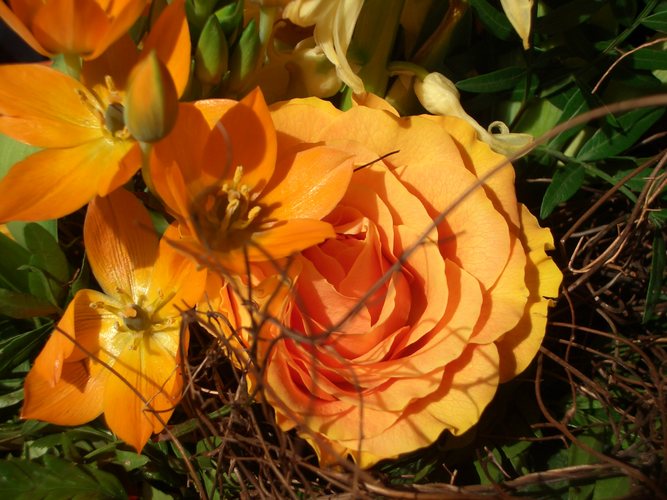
[(518, 12), (334, 22), (440, 96)]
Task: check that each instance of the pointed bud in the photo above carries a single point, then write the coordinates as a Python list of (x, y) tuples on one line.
[(519, 14), (211, 55), (230, 18), (151, 101), (245, 56)]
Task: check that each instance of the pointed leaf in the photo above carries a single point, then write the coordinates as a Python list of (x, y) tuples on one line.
[(565, 182)]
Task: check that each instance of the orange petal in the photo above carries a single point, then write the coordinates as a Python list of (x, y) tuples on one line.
[(121, 243), (120, 24), (182, 149), (170, 38), (70, 26), (246, 129), (20, 28), (43, 107), (178, 274), (467, 388), (152, 371), (117, 62), (75, 399), (56, 182), (288, 237), (302, 120), (308, 184)]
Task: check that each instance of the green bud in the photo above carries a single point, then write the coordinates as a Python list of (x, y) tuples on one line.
[(245, 56), (211, 55), (230, 18), (151, 100), (198, 11)]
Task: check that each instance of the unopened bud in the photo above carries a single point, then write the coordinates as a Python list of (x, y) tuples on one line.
[(211, 55), (151, 101), (440, 96), (245, 56)]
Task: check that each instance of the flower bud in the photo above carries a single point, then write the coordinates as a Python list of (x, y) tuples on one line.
[(245, 56), (230, 18), (440, 96), (151, 101), (211, 55), (519, 14)]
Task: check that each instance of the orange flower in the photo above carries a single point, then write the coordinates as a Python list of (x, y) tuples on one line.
[(89, 150), (407, 331), (236, 188), (78, 27), (133, 328)]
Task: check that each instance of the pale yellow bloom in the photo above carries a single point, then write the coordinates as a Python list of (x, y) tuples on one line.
[(334, 22), (518, 12), (440, 96)]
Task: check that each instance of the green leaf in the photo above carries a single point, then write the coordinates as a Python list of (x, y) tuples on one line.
[(574, 106), (11, 152), (608, 141), (50, 270), (11, 398), (17, 229), (56, 479), (612, 487), (23, 305), (47, 252), (649, 59), (564, 184), (493, 19), (13, 257), (496, 81), (130, 460), (15, 349), (658, 20), (657, 275)]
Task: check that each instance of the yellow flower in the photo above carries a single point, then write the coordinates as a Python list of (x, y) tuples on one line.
[(77, 27), (88, 149), (133, 327)]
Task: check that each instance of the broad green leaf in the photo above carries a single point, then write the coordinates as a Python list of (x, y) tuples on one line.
[(56, 479), (47, 252), (130, 460), (496, 81), (48, 265), (657, 275), (13, 257), (609, 141), (17, 229), (649, 58), (493, 19), (23, 305), (564, 184)]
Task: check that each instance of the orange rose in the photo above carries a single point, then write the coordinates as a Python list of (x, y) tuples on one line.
[(406, 330)]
